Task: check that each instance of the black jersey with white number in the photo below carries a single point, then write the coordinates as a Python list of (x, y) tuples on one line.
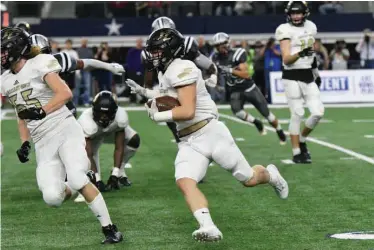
[(68, 64), (191, 48), (232, 59)]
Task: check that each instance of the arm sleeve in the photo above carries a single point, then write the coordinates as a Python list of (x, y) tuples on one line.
[(282, 33), (203, 62), (47, 64), (67, 63), (184, 74)]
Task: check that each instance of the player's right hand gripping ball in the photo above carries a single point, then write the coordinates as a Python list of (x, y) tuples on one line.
[(24, 151), (164, 103)]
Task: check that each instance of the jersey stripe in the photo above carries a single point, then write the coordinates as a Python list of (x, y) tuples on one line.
[(187, 44), (238, 53)]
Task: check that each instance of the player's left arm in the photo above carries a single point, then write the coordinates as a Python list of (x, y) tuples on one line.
[(92, 64), (119, 148)]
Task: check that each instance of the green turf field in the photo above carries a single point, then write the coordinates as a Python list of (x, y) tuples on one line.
[(333, 195)]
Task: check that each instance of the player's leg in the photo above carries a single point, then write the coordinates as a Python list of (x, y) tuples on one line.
[(173, 128), (258, 100), (295, 104), (227, 154), (132, 144), (237, 107), (74, 157), (190, 168), (317, 110)]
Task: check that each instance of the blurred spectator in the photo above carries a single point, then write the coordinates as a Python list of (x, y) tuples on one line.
[(121, 8), (273, 61), (224, 7), (233, 44), (366, 49), (331, 7), (71, 78), (322, 55), (54, 47), (339, 56), (258, 61), (250, 56), (134, 66), (155, 9), (103, 77), (84, 53), (243, 8), (204, 47)]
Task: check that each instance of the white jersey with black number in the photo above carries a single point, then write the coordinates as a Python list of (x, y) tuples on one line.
[(92, 130), (27, 89), (182, 73), (301, 37)]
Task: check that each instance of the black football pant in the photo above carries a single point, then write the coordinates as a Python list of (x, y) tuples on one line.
[(255, 97)]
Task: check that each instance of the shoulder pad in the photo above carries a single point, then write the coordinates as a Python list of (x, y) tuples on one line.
[(238, 54), (283, 32), (191, 48), (121, 118), (87, 123)]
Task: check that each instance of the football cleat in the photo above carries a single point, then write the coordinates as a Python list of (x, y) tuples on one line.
[(112, 183), (259, 126), (101, 186), (112, 235), (282, 137), (124, 181), (79, 199), (304, 150), (207, 234), (279, 183), (301, 158)]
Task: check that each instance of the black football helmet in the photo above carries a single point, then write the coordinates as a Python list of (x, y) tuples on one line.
[(23, 25), (15, 44), (42, 42), (104, 108), (163, 46), (297, 7)]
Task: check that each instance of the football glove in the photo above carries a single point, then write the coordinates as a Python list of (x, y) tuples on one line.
[(306, 52), (211, 81), (24, 151), (32, 114), (116, 69), (318, 81), (151, 110), (225, 69), (135, 88)]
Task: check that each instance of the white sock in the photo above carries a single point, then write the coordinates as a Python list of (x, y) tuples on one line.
[(122, 172), (271, 178), (99, 209), (73, 191), (279, 127), (302, 138), (115, 171), (250, 118), (296, 151), (98, 177), (202, 215)]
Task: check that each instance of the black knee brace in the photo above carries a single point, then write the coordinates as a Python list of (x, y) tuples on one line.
[(134, 142)]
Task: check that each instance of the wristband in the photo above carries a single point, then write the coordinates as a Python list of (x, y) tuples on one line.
[(165, 116)]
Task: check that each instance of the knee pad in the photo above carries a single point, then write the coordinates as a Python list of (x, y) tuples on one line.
[(241, 115), (295, 122), (78, 180), (242, 171), (54, 197), (134, 142), (271, 117), (313, 120)]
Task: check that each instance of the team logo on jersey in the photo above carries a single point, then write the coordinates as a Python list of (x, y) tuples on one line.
[(185, 72), (16, 82)]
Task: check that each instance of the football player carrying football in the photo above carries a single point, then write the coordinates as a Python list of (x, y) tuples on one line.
[(300, 76), (203, 137), (39, 95), (104, 119), (232, 64)]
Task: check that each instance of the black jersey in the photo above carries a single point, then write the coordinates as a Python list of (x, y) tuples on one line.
[(191, 48), (232, 59), (68, 64)]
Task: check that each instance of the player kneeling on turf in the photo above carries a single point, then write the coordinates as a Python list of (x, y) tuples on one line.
[(203, 137), (104, 119), (38, 94)]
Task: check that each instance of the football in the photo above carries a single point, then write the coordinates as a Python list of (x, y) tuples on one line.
[(165, 103)]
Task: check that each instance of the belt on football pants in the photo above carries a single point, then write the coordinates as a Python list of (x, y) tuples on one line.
[(193, 128)]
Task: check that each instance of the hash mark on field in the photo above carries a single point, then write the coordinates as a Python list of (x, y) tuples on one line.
[(347, 158), (369, 136), (162, 123), (239, 139), (287, 121), (311, 139), (363, 120), (288, 161)]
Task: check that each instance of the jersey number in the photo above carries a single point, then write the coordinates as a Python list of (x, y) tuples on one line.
[(306, 44), (26, 97)]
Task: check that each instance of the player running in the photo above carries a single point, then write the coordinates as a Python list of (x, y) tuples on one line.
[(300, 76), (232, 63), (38, 94), (191, 52), (103, 120), (203, 137), (69, 64)]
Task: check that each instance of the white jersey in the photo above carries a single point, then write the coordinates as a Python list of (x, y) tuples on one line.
[(181, 73), (27, 89), (301, 38), (92, 130)]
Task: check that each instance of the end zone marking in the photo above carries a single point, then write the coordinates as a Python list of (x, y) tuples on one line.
[(369, 136), (311, 139)]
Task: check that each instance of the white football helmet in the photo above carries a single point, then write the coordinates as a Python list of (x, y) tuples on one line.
[(162, 22), (220, 38)]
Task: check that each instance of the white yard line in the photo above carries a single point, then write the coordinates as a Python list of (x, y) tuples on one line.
[(311, 139), (363, 120)]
